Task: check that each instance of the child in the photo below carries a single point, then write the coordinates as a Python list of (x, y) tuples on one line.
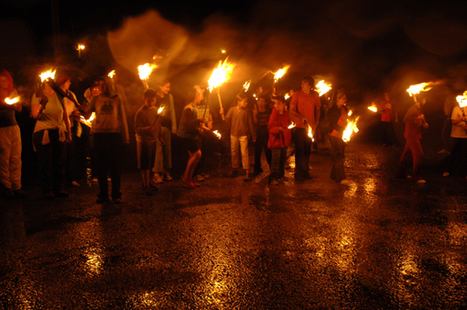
[(188, 131), (279, 139), (147, 129), (241, 129), (261, 117)]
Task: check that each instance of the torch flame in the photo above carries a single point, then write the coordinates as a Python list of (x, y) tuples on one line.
[(322, 87), (88, 122), (111, 74), (417, 88), (246, 86), (11, 101), (291, 125), (80, 47), (280, 73), (350, 129), (462, 100), (373, 107), (159, 111), (220, 74), (286, 96), (47, 75), (310, 134), (216, 132), (144, 71)]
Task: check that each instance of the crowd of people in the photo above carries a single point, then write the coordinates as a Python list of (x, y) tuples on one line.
[(272, 123)]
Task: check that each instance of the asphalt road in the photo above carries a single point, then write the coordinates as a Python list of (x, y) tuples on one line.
[(376, 243)]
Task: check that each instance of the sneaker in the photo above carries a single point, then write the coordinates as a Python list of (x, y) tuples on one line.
[(61, 194), (157, 178), (195, 183), (95, 180), (74, 183), (102, 200), (421, 181), (443, 151), (153, 186), (187, 184), (167, 177), (20, 193), (117, 200), (446, 174), (232, 174), (199, 178), (344, 181), (8, 194), (205, 176)]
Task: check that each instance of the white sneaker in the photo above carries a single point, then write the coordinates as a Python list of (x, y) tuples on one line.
[(157, 178), (446, 174), (199, 178), (421, 181), (167, 177), (344, 181)]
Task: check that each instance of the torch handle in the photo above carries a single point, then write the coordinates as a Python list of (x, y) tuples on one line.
[(220, 103)]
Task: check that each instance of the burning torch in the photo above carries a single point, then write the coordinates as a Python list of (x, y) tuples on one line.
[(144, 71), (220, 75)]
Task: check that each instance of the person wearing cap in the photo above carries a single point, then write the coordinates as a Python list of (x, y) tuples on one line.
[(10, 141), (305, 111), (51, 132), (110, 131)]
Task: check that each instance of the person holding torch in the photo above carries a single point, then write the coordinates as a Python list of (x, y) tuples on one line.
[(10, 139)]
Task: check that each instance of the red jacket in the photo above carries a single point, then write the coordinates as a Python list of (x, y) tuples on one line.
[(278, 138)]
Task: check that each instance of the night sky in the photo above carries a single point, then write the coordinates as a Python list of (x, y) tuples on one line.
[(373, 46)]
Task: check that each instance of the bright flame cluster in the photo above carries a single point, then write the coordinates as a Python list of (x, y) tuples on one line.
[(350, 129), (47, 75), (417, 88), (462, 100), (280, 73), (322, 87), (159, 111), (220, 74), (87, 122), (11, 101), (80, 47), (310, 134), (373, 107), (144, 71), (218, 135), (246, 86), (111, 74)]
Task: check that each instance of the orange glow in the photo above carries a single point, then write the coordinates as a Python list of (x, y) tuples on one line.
[(159, 111), (218, 135), (246, 86), (80, 47), (373, 107), (291, 125), (88, 122), (417, 88), (322, 87), (462, 100), (144, 71), (286, 96), (310, 134), (11, 101), (220, 74), (47, 75), (280, 73), (111, 74), (350, 130)]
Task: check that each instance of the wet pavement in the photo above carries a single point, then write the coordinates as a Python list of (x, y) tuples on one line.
[(378, 242)]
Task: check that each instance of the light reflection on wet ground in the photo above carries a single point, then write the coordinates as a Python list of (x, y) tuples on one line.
[(375, 243)]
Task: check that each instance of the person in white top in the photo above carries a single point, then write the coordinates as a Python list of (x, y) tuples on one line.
[(458, 157)]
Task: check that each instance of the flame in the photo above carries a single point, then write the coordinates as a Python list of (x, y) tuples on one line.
[(220, 74), (11, 101), (286, 96), (350, 130), (373, 107), (461, 99), (310, 133), (322, 87), (223, 51), (280, 73), (47, 75), (80, 47), (291, 125), (417, 88), (144, 71), (87, 122), (111, 74), (246, 86), (216, 132), (159, 111)]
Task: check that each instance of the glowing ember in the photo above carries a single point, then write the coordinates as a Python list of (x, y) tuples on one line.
[(80, 47), (310, 134), (286, 96), (416, 89), (462, 100), (246, 86), (47, 75), (223, 51), (144, 71), (373, 107), (218, 135), (220, 74), (350, 113), (111, 74), (159, 111), (280, 73), (350, 130), (11, 101), (322, 87), (291, 125), (88, 122)]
